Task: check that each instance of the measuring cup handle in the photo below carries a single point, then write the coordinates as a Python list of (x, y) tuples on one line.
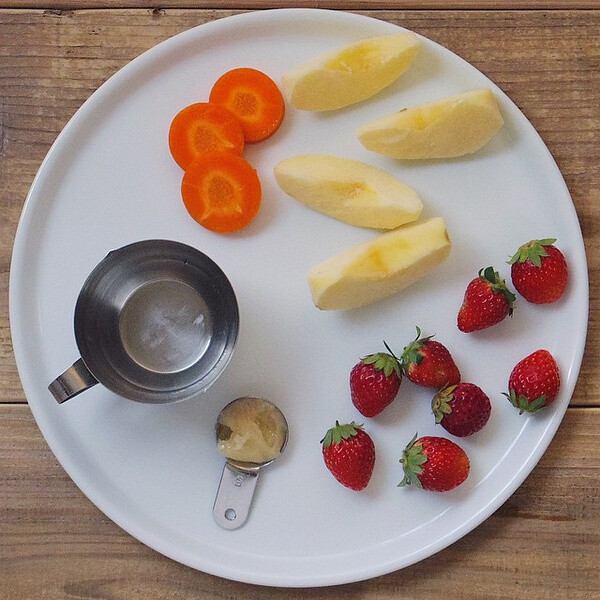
[(74, 380), (234, 497)]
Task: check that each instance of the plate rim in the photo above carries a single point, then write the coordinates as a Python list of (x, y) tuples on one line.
[(18, 260)]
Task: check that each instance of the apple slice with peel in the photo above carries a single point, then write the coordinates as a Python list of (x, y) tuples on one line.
[(446, 128), (348, 190), (350, 74), (380, 267)]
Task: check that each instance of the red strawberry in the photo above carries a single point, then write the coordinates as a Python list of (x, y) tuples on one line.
[(429, 363), (461, 409), (534, 382), (539, 271), (434, 463), (374, 382), (487, 301), (349, 454)]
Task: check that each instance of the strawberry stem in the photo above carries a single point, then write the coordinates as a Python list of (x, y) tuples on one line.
[(336, 434), (411, 353), (523, 404), (498, 285), (440, 405), (382, 361), (533, 251), (412, 459)]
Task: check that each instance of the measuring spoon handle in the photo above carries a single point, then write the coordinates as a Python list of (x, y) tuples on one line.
[(234, 497)]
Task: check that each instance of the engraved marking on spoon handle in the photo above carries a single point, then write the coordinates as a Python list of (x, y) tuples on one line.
[(234, 497)]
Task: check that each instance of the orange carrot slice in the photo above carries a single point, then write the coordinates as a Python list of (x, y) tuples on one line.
[(253, 98), (204, 127), (221, 191)]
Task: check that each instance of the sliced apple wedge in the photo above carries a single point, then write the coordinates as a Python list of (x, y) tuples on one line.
[(446, 128), (348, 190), (350, 74), (381, 267)]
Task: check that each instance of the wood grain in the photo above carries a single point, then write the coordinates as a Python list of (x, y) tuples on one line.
[(543, 543), (55, 544), (65, 5), (547, 62)]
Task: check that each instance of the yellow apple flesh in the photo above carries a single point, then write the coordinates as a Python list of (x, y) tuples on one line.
[(350, 74), (348, 190), (446, 128), (380, 267)]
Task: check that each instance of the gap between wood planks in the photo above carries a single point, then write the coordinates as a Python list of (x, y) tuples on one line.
[(570, 407), (61, 7)]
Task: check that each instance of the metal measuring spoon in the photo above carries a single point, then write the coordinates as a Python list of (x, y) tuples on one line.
[(240, 472)]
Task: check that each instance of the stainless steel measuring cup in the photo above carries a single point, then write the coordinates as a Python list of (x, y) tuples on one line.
[(156, 321)]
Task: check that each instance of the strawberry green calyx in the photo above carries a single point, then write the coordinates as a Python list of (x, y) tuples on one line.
[(382, 361), (497, 284), (412, 459), (336, 434), (412, 354), (533, 251), (522, 403), (440, 404)]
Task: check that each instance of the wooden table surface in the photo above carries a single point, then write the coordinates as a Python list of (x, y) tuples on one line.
[(542, 543)]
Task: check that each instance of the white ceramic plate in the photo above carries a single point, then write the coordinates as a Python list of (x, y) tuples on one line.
[(109, 180)]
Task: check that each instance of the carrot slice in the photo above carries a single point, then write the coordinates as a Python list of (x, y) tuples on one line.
[(253, 98), (221, 191), (204, 127)]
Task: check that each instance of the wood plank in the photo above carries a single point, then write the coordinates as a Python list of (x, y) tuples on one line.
[(542, 543), (65, 5), (547, 61)]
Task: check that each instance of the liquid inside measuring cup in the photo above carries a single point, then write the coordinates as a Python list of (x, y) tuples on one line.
[(165, 326)]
